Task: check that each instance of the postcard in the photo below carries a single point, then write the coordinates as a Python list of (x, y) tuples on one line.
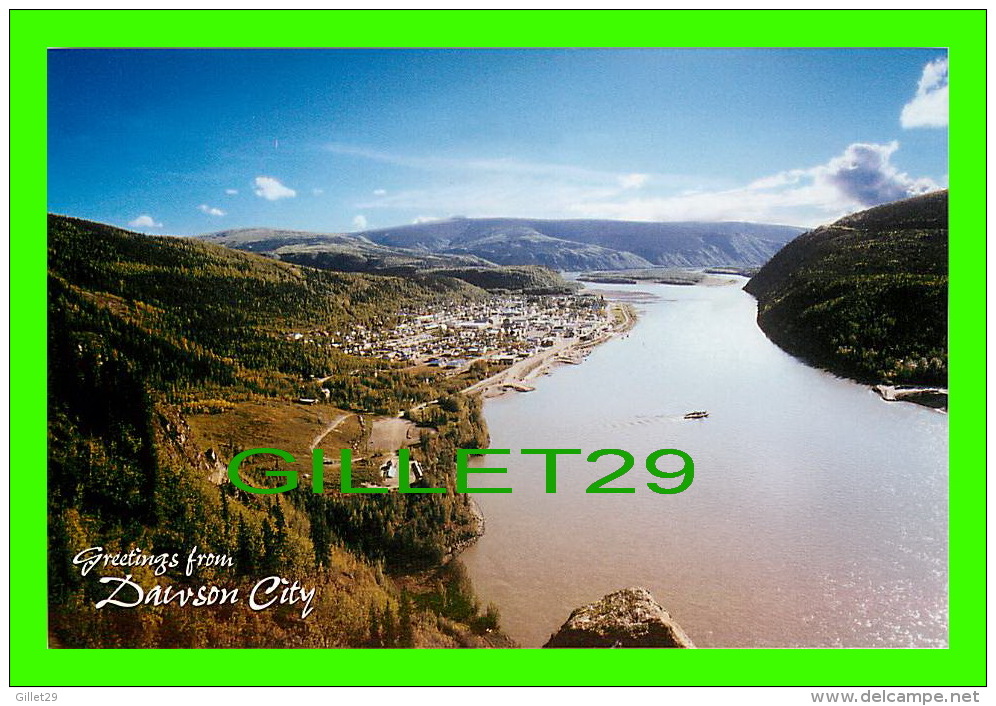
[(505, 351)]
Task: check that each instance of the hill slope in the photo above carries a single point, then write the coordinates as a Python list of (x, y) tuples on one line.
[(587, 244), (354, 253), (565, 245), (145, 334), (865, 297), (344, 252)]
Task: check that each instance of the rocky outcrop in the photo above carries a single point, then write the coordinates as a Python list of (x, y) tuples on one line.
[(627, 618)]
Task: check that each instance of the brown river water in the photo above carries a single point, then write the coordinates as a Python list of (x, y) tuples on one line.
[(817, 516)]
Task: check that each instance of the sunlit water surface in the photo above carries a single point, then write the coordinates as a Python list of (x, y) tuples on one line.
[(817, 516)]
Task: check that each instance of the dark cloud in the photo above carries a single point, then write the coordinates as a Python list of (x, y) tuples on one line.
[(865, 175)]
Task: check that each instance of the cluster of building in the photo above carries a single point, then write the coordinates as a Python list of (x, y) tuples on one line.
[(502, 329)]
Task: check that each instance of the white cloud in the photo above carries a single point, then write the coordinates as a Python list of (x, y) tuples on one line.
[(503, 186), (503, 166), (145, 221), (929, 107), (360, 222), (865, 176), (317, 192), (231, 192), (792, 176), (426, 219), (210, 210), (860, 176), (271, 189), (633, 181)]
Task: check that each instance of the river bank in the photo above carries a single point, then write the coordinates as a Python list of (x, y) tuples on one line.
[(620, 318), (786, 538), (932, 397)]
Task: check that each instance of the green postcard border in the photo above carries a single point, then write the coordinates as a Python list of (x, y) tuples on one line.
[(962, 32)]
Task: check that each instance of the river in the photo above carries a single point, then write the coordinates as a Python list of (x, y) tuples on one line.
[(817, 516)]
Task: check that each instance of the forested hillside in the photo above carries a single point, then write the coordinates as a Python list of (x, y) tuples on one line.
[(865, 297), (145, 332)]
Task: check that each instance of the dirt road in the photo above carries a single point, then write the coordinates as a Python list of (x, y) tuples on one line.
[(329, 428)]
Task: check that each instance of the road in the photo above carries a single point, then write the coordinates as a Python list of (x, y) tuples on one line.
[(329, 428)]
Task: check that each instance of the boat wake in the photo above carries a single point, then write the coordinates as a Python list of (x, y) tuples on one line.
[(647, 419), (644, 420)]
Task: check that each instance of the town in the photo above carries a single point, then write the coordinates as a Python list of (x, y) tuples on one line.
[(502, 329)]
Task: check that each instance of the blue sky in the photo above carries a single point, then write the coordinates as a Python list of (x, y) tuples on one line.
[(194, 141)]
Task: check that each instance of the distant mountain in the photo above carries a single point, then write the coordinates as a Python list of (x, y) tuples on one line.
[(343, 252), (566, 245), (524, 245), (593, 244), (346, 252), (865, 297)]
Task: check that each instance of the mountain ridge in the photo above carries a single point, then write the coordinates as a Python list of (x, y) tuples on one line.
[(565, 245)]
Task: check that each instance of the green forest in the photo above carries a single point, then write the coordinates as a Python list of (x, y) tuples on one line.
[(144, 331), (867, 296)]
